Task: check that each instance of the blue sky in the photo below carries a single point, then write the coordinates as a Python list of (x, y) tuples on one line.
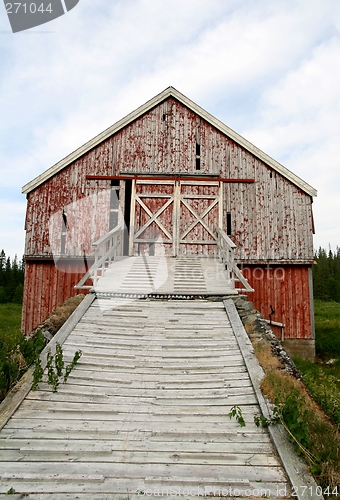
[(269, 70)]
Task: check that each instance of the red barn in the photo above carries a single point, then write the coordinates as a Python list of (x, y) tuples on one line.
[(197, 175)]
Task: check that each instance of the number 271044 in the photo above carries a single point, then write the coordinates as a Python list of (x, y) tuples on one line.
[(25, 8)]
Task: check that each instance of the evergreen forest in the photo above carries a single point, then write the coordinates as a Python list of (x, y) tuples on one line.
[(326, 275), (11, 279)]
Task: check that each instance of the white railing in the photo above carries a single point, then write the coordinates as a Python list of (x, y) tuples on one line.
[(106, 249), (226, 250)]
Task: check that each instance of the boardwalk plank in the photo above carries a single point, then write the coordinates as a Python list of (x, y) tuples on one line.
[(146, 407)]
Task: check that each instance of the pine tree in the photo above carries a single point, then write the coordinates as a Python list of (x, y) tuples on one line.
[(2, 266), (326, 275), (11, 279)]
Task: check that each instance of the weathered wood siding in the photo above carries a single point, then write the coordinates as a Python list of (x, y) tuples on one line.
[(87, 214), (271, 219), (46, 287), (282, 294)]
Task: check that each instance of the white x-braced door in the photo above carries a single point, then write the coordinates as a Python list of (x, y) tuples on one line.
[(175, 217), (199, 213)]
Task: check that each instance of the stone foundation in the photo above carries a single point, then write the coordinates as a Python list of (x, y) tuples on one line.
[(259, 330), (302, 348)]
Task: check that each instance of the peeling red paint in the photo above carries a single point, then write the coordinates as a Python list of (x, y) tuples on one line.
[(271, 219), (283, 289)]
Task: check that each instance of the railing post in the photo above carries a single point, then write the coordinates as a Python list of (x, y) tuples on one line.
[(227, 251), (96, 258), (107, 248)]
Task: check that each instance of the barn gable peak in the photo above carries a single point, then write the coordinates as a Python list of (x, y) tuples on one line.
[(169, 92)]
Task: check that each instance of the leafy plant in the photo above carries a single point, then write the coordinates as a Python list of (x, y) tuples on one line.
[(59, 360), (37, 374), (236, 412), (293, 415), (52, 376), (55, 368), (17, 352), (70, 367), (275, 418)]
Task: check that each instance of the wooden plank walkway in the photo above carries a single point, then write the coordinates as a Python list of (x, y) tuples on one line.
[(145, 410), (166, 275)]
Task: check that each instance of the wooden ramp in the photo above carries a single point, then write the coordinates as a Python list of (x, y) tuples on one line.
[(166, 275), (145, 411)]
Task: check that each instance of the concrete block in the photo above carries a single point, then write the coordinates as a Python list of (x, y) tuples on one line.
[(302, 348)]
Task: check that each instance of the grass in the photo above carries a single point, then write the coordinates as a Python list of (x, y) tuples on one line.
[(327, 326), (318, 402), (322, 450), (18, 352), (323, 377), (323, 383), (10, 320)]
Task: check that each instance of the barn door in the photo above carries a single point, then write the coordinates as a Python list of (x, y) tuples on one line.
[(175, 217), (152, 218), (199, 215)]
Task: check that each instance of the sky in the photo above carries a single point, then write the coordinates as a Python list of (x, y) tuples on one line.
[(269, 70)]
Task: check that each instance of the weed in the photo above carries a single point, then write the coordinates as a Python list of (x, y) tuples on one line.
[(294, 416), (17, 352), (70, 367), (59, 360), (321, 447), (275, 418), (52, 376), (37, 374), (236, 412), (55, 368)]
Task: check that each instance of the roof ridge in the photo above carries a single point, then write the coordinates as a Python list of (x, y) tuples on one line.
[(169, 92)]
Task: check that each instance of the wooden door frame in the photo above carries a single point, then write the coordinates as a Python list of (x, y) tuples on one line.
[(176, 199), (217, 200), (136, 198)]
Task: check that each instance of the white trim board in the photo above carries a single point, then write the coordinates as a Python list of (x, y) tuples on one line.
[(169, 92), (296, 469)]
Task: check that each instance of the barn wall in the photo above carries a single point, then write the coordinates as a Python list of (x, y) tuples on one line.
[(286, 290), (86, 204), (271, 219), (46, 287)]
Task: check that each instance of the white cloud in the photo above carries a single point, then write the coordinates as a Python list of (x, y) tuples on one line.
[(299, 125), (267, 69), (12, 228)]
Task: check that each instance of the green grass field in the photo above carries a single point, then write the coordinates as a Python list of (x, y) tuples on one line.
[(16, 352), (323, 377), (10, 319), (10, 337), (327, 326)]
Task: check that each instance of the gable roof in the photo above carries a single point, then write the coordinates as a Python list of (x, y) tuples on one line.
[(170, 92)]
